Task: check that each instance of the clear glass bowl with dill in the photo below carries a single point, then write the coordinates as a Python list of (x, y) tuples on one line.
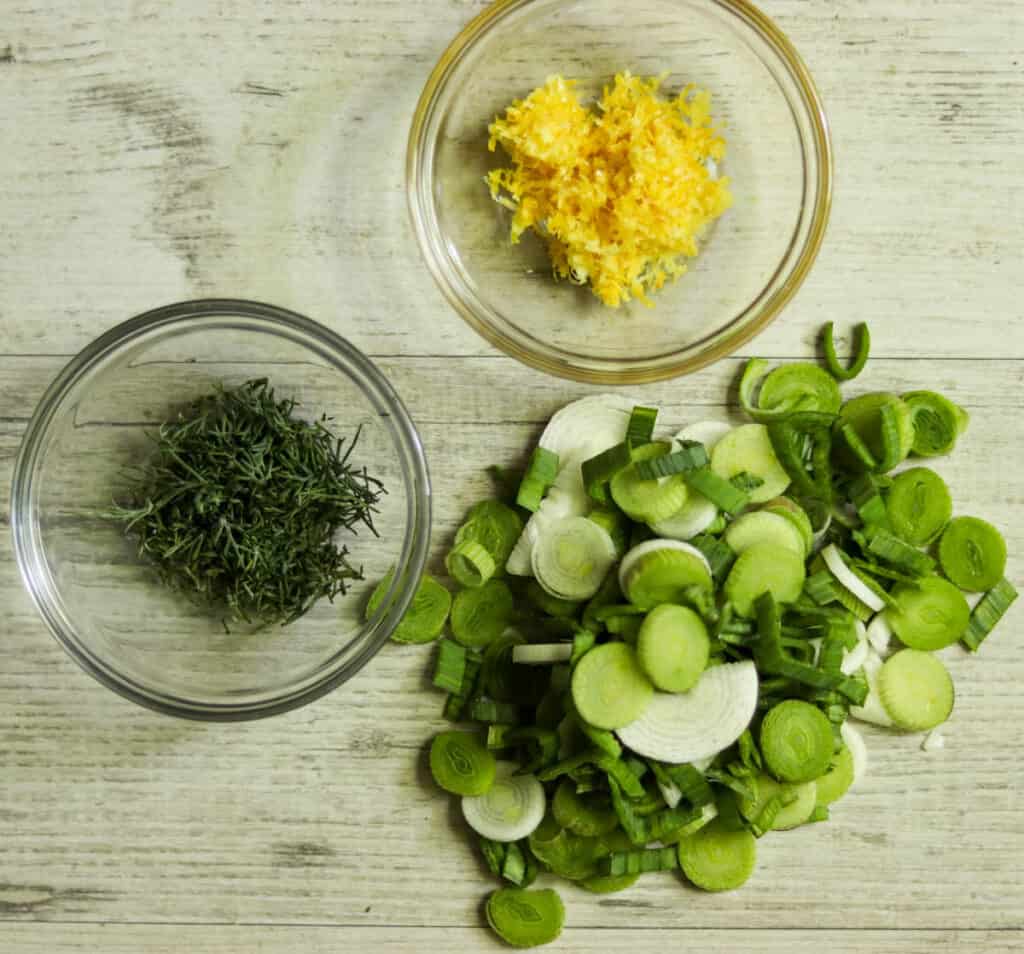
[(109, 608)]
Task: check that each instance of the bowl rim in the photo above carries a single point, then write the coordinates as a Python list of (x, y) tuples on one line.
[(607, 371), (344, 358)]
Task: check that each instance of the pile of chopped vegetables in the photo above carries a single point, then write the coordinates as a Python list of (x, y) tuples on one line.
[(621, 192), (663, 661)]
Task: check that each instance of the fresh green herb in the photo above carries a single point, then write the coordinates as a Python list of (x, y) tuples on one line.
[(241, 502)]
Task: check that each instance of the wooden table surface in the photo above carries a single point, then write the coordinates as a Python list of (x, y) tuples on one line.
[(153, 151)]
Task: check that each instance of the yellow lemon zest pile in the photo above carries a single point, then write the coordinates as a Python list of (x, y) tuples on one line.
[(620, 192)]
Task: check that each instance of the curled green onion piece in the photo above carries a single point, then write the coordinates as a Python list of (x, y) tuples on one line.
[(539, 476), (860, 358), (937, 422), (640, 429), (469, 564), (495, 526)]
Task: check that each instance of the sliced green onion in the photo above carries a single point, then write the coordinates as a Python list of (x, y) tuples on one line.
[(539, 476), (470, 564), (859, 449), (490, 710), (690, 457), (937, 422), (513, 867), (450, 670), (494, 855), (717, 489), (891, 549), (457, 701), (497, 736), (821, 587), (599, 470), (460, 764), (860, 359), (718, 553), (641, 861), (802, 438), (693, 786), (640, 429), (987, 613), (865, 494)]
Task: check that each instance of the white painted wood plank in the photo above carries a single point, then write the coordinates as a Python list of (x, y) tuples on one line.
[(261, 939), (133, 180)]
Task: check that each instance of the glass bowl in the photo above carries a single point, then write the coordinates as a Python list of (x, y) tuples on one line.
[(754, 258), (105, 605)]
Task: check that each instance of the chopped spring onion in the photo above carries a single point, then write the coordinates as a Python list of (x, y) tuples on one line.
[(796, 741), (509, 810), (866, 496), (673, 647), (987, 613), (539, 476), (787, 389), (916, 690), (641, 861), (929, 615), (609, 688), (572, 558), (896, 552), (747, 448), (480, 615), (640, 429), (542, 654), (919, 505), (764, 568), (718, 554), (486, 710), (937, 423), (683, 727), (689, 457), (526, 918), (425, 618), (663, 571), (599, 470), (450, 670), (860, 358), (470, 564), (718, 858), (587, 815), (460, 764), (973, 554), (848, 579), (760, 639), (495, 526)]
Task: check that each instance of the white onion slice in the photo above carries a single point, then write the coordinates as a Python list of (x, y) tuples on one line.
[(847, 578)]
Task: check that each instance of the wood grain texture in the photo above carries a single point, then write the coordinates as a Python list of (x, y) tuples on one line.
[(157, 151), (263, 939)]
